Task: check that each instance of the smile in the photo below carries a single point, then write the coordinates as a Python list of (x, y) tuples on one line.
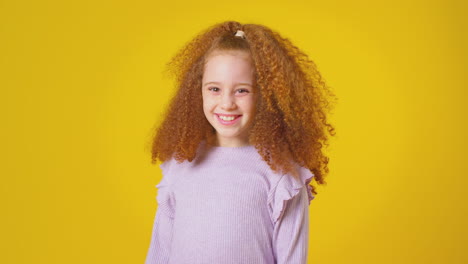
[(228, 120)]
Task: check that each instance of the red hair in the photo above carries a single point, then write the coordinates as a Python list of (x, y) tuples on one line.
[(290, 125)]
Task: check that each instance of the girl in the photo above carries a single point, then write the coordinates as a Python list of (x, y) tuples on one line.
[(240, 143)]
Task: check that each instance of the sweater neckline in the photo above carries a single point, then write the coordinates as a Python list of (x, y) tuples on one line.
[(241, 148), (223, 148)]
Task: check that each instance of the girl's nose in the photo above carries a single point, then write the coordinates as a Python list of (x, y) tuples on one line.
[(227, 102)]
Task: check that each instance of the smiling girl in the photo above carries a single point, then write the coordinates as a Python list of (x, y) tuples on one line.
[(240, 143), (229, 97)]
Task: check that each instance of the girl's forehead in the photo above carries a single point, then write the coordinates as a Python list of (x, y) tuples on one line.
[(228, 67), (228, 63), (214, 57)]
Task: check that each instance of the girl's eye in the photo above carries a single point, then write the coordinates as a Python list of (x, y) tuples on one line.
[(216, 89)]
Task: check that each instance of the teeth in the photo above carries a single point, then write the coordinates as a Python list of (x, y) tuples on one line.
[(226, 118)]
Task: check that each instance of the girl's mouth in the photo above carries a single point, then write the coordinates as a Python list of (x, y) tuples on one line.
[(228, 122)]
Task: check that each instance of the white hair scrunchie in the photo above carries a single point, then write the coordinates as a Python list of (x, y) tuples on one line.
[(240, 33)]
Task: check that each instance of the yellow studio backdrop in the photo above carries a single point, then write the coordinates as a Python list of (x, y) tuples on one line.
[(82, 86)]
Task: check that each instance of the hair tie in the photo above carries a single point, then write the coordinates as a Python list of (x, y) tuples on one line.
[(240, 33)]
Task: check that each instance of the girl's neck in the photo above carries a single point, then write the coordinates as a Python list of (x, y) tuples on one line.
[(236, 143), (216, 145)]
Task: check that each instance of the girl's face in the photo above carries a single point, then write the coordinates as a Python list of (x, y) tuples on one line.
[(229, 97)]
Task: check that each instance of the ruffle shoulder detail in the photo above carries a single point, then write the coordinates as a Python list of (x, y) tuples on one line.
[(286, 189), (165, 196)]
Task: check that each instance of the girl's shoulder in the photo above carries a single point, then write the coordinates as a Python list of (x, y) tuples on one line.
[(289, 181), (286, 188), (169, 170)]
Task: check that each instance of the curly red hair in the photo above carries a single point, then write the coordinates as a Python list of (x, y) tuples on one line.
[(290, 125)]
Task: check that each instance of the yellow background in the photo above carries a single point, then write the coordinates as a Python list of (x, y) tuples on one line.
[(82, 86)]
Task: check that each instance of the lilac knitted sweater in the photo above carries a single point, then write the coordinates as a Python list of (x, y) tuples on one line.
[(227, 206)]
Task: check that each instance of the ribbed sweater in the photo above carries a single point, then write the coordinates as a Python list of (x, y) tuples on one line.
[(228, 206)]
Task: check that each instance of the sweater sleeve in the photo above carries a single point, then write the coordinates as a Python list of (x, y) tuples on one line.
[(289, 204), (291, 231), (161, 237)]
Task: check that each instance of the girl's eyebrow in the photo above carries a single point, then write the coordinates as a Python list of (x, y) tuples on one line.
[(220, 83)]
